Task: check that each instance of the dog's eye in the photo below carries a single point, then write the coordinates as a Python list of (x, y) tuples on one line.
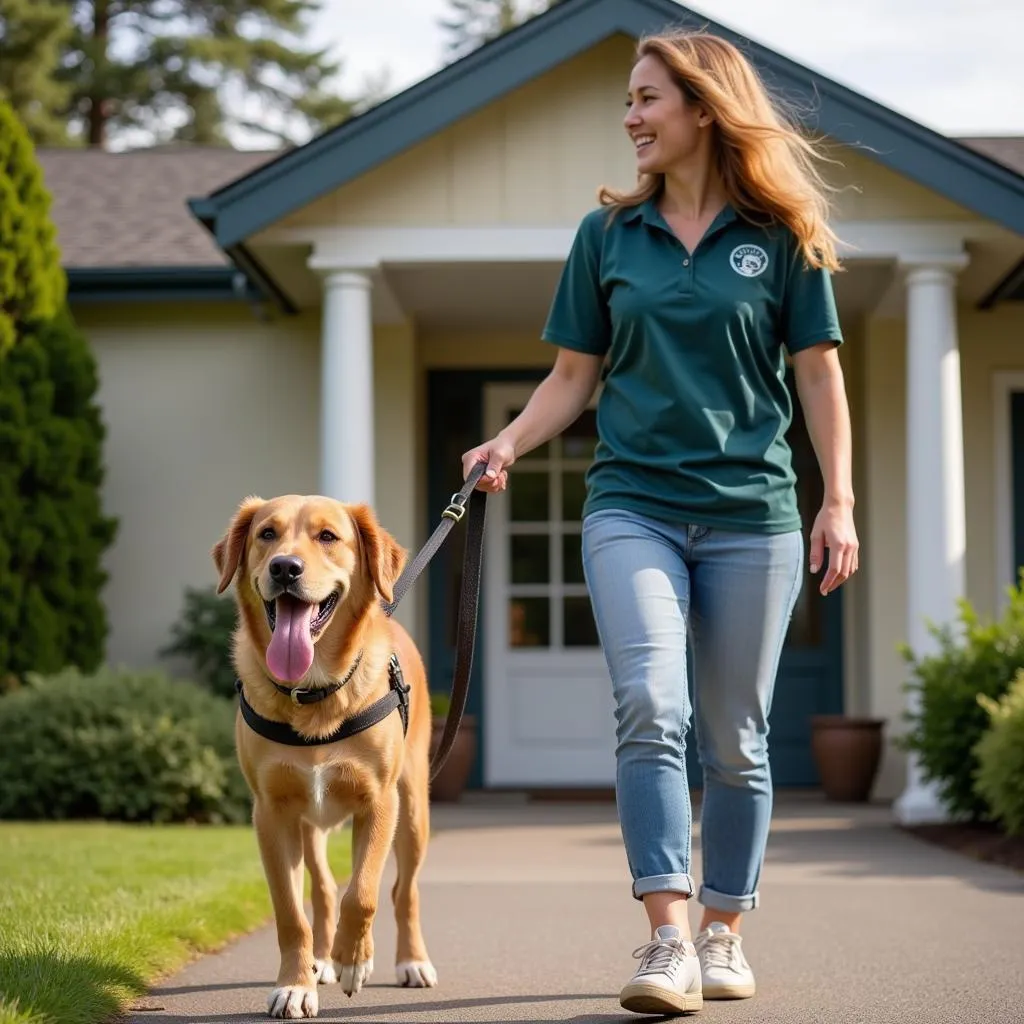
[(327, 537), (267, 533)]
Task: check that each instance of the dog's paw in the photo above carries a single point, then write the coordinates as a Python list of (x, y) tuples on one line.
[(324, 972), (293, 1001), (353, 976), (416, 974)]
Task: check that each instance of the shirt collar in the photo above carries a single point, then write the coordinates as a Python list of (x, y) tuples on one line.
[(648, 212)]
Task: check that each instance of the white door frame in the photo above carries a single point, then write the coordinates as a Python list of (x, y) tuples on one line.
[(584, 666)]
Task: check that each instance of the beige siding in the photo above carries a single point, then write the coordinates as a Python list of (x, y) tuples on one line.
[(538, 155), (533, 157), (870, 191), (203, 406)]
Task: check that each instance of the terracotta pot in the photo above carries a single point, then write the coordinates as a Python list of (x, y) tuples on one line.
[(451, 779), (847, 752)]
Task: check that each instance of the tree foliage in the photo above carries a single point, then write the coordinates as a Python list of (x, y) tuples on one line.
[(52, 529), (158, 71), (471, 23)]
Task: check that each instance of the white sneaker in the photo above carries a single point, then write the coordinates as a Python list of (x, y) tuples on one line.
[(668, 978), (724, 969)]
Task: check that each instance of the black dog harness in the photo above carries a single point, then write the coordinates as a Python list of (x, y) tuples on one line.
[(397, 697), (398, 693)]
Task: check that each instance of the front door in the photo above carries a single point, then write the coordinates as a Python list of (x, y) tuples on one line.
[(549, 718)]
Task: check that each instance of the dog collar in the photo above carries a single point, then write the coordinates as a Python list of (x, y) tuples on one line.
[(397, 698), (301, 695)]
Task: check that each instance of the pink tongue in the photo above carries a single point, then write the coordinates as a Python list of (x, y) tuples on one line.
[(291, 648)]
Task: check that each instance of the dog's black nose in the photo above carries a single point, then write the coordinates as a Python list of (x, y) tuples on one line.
[(285, 568)]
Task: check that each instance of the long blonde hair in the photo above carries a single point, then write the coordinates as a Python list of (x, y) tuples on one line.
[(765, 162)]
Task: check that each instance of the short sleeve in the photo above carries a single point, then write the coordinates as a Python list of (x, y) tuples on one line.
[(578, 318), (809, 314)]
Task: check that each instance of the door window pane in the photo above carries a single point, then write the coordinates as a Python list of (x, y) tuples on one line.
[(572, 559), (574, 490), (580, 437), (529, 558), (529, 622), (528, 497), (579, 627)]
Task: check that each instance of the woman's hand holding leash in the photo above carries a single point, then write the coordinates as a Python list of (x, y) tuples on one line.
[(498, 453)]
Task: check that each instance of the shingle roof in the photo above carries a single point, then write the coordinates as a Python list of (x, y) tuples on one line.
[(129, 209), (1006, 149)]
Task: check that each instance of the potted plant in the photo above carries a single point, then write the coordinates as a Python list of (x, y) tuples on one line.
[(451, 779), (847, 750)]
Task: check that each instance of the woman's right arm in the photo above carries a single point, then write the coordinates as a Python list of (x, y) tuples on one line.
[(555, 403)]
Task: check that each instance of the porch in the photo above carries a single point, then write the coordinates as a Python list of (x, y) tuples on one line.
[(439, 328)]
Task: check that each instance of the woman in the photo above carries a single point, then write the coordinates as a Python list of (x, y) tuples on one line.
[(684, 295)]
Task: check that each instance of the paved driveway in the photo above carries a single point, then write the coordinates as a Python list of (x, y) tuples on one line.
[(528, 917)]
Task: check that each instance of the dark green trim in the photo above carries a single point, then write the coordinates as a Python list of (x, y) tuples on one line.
[(1009, 289), (341, 154), (154, 284), (255, 271), (1017, 478), (454, 424)]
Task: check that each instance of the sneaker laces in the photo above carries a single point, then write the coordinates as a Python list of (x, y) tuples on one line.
[(720, 949), (659, 956)]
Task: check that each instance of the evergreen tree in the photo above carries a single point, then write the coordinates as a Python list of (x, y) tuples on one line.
[(52, 530), (32, 35), (175, 68), (472, 23)]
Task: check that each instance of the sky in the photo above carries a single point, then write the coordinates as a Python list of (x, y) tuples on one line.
[(956, 66)]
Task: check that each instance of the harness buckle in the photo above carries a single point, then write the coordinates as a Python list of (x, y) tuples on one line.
[(456, 508)]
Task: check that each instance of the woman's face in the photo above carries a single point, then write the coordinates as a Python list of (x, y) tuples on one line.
[(664, 127)]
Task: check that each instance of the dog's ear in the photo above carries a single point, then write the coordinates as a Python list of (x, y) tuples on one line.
[(385, 556), (227, 552)]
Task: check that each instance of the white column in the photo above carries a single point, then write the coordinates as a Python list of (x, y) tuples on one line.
[(346, 388), (936, 535)]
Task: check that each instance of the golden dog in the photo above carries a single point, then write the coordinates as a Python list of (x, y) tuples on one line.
[(309, 573)]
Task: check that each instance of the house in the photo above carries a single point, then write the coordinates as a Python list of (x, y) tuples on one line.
[(349, 316)]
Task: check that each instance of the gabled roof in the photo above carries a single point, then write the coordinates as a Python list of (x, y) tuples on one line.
[(294, 180)]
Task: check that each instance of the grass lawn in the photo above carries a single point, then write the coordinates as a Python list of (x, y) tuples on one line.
[(92, 913)]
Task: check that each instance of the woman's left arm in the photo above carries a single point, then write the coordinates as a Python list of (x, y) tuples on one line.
[(822, 393)]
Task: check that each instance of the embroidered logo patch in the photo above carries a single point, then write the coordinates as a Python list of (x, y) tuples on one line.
[(748, 260)]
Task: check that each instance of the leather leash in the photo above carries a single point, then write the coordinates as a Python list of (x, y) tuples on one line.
[(469, 596)]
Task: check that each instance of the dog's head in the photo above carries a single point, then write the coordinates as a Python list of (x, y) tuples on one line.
[(298, 561)]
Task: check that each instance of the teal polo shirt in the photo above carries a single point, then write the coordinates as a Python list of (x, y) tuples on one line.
[(694, 410)]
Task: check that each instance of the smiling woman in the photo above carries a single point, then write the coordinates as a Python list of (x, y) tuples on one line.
[(686, 297)]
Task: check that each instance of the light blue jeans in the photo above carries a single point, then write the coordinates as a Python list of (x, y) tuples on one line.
[(653, 586)]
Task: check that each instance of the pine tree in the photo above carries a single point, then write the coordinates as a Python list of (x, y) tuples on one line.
[(172, 67), (475, 22), (32, 35), (52, 529)]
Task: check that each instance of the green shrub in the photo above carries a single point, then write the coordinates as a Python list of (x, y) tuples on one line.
[(999, 780), (119, 745), (53, 533), (950, 721), (202, 634)]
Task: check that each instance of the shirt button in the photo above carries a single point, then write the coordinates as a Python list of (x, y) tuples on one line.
[(686, 263)]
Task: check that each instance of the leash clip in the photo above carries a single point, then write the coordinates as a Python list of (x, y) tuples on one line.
[(456, 508)]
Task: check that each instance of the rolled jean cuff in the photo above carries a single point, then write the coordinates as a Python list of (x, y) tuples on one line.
[(663, 883), (729, 904)]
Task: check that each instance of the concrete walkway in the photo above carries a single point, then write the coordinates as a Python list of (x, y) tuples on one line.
[(528, 917)]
